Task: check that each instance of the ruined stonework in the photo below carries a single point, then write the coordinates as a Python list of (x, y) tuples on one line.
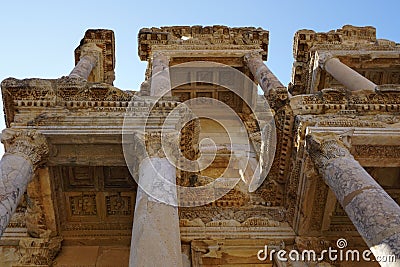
[(97, 176)]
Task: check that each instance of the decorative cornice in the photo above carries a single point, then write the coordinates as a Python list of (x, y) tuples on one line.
[(29, 144), (203, 37), (338, 100)]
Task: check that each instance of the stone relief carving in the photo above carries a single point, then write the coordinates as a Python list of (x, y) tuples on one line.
[(38, 251), (197, 37), (324, 147), (239, 214)]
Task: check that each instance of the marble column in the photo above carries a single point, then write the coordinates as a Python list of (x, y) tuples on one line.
[(350, 78), (156, 234), (24, 151), (160, 78), (90, 56), (263, 75), (373, 212)]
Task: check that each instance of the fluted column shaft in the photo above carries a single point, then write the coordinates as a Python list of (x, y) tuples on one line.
[(263, 75), (350, 78), (373, 212), (160, 78), (24, 151)]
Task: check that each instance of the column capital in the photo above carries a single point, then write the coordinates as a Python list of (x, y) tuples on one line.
[(90, 61), (29, 144), (270, 84), (155, 145), (252, 55), (323, 147), (91, 49), (160, 144), (161, 57), (323, 57)]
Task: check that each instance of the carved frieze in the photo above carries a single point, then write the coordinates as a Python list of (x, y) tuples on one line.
[(376, 151), (335, 100), (202, 37), (240, 214), (38, 102), (38, 251)]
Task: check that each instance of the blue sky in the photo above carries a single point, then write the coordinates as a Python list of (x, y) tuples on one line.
[(38, 37)]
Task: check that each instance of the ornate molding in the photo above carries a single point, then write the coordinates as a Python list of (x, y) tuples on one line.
[(38, 251), (29, 144), (203, 37), (204, 215), (336, 100), (60, 96), (377, 151)]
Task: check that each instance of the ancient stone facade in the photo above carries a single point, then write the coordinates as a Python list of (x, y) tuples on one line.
[(97, 176)]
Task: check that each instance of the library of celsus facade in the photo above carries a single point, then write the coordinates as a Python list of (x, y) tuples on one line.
[(214, 161)]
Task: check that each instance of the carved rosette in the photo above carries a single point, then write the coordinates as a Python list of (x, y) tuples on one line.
[(28, 144)]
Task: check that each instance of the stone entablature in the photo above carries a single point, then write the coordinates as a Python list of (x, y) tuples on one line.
[(206, 38), (342, 102), (39, 102)]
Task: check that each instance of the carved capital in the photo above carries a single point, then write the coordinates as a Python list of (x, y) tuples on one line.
[(152, 144), (252, 56), (90, 61), (323, 58), (267, 80), (91, 49), (39, 251), (323, 147), (29, 144), (160, 144), (160, 58)]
